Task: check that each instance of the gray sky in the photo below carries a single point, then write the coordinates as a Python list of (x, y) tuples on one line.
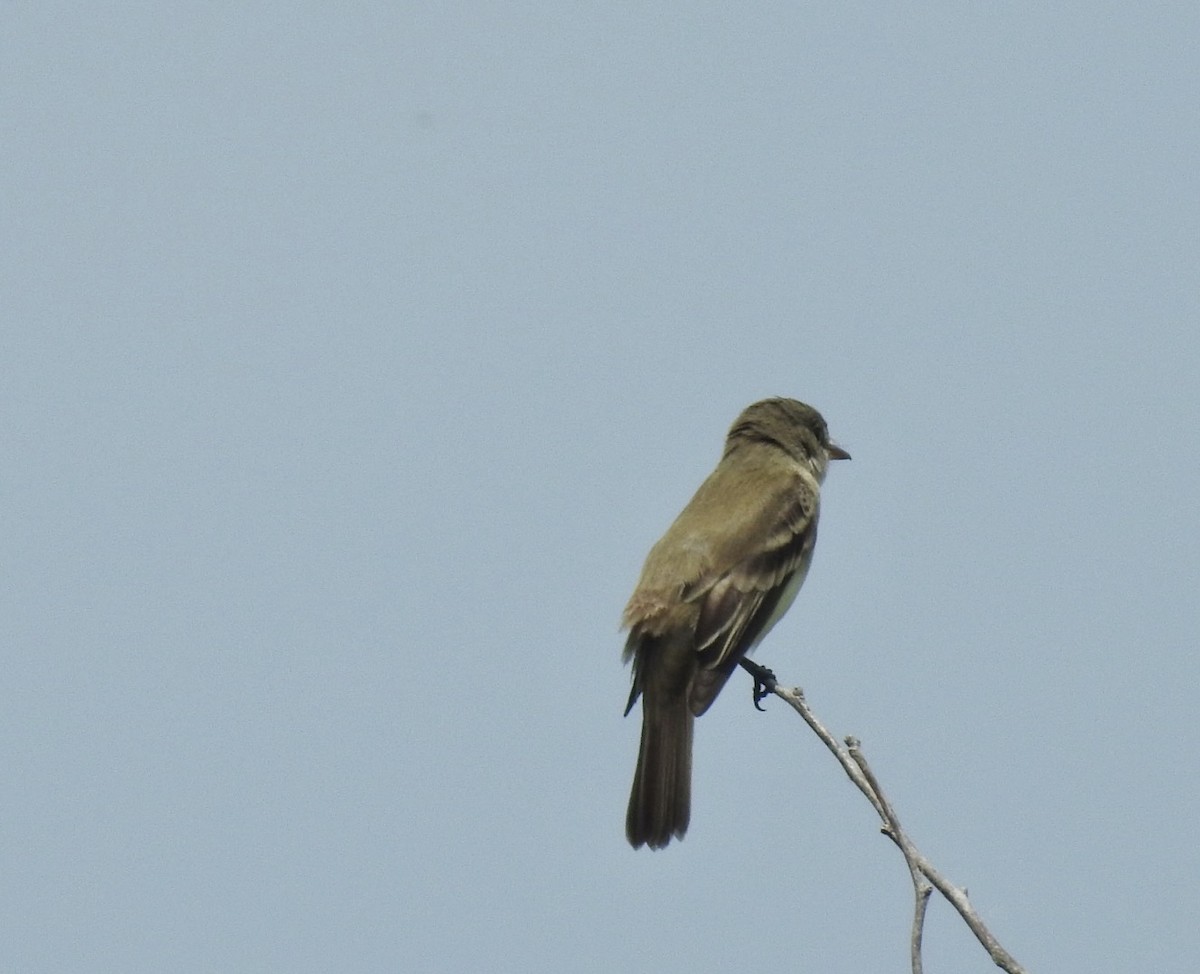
[(353, 359)]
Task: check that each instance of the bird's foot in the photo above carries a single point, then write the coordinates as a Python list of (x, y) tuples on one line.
[(764, 681)]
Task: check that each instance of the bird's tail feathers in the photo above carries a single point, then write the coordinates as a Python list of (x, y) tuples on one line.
[(661, 799)]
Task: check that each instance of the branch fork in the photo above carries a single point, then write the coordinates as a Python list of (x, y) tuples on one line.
[(925, 877)]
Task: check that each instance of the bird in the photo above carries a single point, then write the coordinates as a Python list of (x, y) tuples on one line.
[(711, 588)]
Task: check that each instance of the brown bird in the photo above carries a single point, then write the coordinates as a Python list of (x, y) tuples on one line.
[(712, 588)]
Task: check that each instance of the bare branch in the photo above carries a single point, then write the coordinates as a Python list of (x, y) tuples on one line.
[(891, 828), (925, 877)]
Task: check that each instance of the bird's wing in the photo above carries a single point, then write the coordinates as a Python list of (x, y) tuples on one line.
[(746, 592)]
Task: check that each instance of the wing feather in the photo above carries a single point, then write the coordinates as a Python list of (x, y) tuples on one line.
[(739, 604)]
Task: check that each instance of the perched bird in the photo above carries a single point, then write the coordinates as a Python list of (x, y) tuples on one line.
[(712, 588)]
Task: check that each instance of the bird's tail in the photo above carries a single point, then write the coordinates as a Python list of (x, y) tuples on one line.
[(661, 799)]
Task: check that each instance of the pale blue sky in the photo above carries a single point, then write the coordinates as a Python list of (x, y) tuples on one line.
[(354, 357)]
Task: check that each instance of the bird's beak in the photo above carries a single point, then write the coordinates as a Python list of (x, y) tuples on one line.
[(837, 453)]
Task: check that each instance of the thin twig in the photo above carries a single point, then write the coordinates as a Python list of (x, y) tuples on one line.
[(925, 877), (891, 828)]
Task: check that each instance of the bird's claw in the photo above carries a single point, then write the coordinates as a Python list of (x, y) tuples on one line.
[(764, 682), (763, 688)]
